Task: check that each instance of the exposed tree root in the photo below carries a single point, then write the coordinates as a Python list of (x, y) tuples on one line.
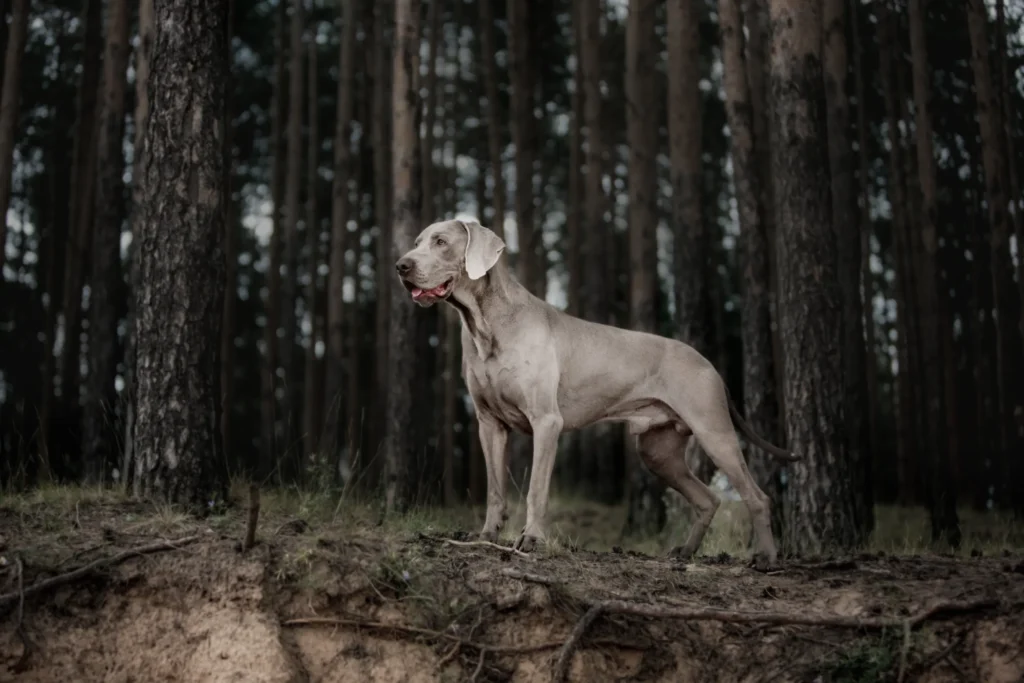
[(86, 570)]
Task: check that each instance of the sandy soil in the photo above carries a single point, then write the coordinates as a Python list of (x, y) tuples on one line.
[(355, 604)]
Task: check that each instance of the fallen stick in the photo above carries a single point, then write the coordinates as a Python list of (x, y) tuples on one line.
[(488, 544), (85, 570)]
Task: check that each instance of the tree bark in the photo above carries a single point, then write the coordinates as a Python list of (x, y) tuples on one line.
[(340, 209), (1005, 296), (575, 210), (99, 443), (759, 389), (819, 500), (311, 402), (430, 205), (9, 105), (871, 442), (179, 321), (399, 449), (530, 268), (848, 244), (494, 126), (646, 509), (268, 399), (932, 300)]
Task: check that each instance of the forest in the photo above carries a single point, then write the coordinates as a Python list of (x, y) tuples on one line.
[(205, 201)]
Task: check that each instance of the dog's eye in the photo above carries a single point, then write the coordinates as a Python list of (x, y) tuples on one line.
[(440, 242)]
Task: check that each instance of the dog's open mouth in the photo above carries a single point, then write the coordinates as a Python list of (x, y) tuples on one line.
[(420, 294)]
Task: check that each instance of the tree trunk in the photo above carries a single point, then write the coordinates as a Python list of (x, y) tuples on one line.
[(9, 105), (521, 77), (268, 399), (311, 405), (848, 244), (83, 182), (179, 318), (599, 452), (1005, 296), (381, 132), (143, 55), (575, 210), (819, 496), (399, 448), (871, 443), (99, 443), (758, 54), (494, 126), (429, 203), (227, 337), (292, 462), (759, 389), (932, 299), (340, 209), (907, 343), (646, 512)]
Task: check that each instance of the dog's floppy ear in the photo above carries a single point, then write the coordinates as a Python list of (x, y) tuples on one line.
[(483, 247)]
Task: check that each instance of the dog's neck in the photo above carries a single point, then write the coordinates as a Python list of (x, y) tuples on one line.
[(494, 293)]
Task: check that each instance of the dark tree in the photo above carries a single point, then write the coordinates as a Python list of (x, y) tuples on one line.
[(180, 300), (818, 500)]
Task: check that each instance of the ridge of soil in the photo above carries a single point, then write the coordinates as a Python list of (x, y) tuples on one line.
[(414, 608)]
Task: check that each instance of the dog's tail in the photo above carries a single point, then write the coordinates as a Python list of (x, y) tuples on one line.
[(756, 438)]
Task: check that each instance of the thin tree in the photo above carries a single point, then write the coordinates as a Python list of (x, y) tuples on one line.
[(818, 500), (932, 301), (646, 508), (401, 352), (489, 70), (290, 258), (268, 385), (598, 453), (83, 183), (382, 197), (848, 244), (430, 205), (575, 211), (10, 96), (227, 337), (866, 231), (182, 230), (759, 389), (1005, 296), (143, 54), (99, 444), (311, 402), (530, 268), (340, 209)]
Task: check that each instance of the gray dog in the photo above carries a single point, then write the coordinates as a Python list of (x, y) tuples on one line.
[(532, 368)]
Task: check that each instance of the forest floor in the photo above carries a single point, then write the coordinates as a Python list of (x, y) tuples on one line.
[(94, 587)]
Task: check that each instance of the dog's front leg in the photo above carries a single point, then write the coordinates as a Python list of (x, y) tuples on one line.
[(494, 441), (546, 429)]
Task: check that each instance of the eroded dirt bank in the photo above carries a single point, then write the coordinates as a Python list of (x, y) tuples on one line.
[(340, 605)]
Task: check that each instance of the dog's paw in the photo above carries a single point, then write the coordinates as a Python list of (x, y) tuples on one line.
[(488, 536), (681, 553), (763, 563), (526, 543)]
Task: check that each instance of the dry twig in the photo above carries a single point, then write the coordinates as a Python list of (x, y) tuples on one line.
[(26, 643), (85, 570), (488, 544)]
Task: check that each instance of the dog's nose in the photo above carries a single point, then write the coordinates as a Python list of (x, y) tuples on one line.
[(404, 265)]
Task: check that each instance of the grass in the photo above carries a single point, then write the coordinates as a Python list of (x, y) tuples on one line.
[(573, 522)]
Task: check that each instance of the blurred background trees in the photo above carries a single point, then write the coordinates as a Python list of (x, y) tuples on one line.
[(843, 246)]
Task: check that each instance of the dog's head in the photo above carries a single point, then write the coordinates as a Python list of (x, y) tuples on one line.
[(444, 255)]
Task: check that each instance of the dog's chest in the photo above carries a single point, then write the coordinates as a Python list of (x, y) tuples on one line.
[(496, 388)]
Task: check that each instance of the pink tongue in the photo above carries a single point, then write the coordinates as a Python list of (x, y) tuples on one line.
[(436, 291), (417, 293)]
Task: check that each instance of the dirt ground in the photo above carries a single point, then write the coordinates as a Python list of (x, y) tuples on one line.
[(354, 602)]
